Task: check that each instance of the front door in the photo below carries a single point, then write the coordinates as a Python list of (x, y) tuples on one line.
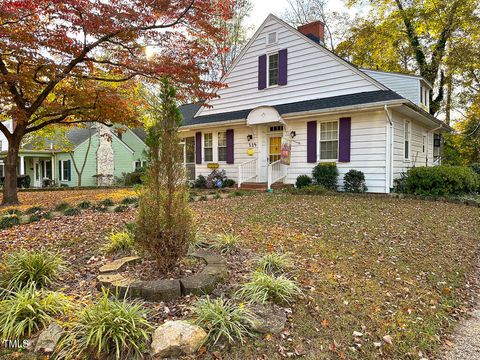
[(274, 148), (37, 173), (189, 157)]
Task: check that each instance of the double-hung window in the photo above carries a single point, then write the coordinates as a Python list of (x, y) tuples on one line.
[(329, 140), (273, 69), (208, 146), (66, 170), (407, 140), (222, 146)]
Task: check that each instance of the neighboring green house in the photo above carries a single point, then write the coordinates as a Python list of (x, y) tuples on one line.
[(112, 151)]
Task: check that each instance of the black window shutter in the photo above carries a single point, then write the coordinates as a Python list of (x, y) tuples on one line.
[(59, 170), (69, 170)]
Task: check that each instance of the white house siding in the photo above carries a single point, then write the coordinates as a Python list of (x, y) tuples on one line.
[(368, 150), (406, 86), (313, 73), (417, 157)]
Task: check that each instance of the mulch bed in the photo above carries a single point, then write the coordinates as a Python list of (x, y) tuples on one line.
[(146, 269)]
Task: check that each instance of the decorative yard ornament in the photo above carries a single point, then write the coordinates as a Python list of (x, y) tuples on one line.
[(285, 151)]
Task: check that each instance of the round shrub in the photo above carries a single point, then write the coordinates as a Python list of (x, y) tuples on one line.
[(326, 174), (354, 181), (476, 167), (228, 183), (441, 180), (302, 181), (201, 182)]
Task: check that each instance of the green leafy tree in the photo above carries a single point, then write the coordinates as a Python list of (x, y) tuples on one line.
[(164, 225), (417, 35)]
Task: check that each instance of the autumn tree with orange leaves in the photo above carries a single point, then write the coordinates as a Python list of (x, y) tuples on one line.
[(75, 61)]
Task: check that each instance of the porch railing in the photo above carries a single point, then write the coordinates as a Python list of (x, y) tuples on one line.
[(246, 171), (276, 172)]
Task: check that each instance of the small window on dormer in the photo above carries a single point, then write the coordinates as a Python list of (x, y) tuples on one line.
[(272, 38)]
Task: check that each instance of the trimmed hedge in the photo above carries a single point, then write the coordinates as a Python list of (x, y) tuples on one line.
[(302, 181), (441, 180), (326, 174), (354, 181)]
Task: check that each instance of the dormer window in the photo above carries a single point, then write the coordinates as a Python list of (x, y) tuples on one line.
[(424, 96), (273, 69)]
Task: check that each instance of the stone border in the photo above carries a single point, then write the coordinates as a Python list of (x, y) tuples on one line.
[(201, 283)]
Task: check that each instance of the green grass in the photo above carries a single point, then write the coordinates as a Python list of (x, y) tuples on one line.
[(222, 319), (24, 268), (109, 328), (388, 266)]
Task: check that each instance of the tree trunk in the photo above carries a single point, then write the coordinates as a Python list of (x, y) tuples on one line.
[(10, 184)]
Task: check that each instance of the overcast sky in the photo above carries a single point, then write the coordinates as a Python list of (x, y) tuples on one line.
[(261, 9)]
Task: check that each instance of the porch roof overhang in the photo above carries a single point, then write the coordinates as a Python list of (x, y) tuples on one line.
[(31, 153)]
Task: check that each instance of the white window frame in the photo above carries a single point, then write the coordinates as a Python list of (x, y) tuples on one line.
[(62, 162), (268, 68), (268, 36), (319, 137), (209, 147), (407, 130), (142, 164), (218, 147)]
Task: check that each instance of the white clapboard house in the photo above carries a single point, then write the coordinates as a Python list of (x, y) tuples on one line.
[(287, 92)]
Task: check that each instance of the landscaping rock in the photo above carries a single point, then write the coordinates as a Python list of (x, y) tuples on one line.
[(105, 280), (198, 284), (176, 338), (118, 264), (268, 319), (159, 290), (49, 338)]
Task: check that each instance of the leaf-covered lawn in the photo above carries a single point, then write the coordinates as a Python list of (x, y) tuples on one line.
[(375, 265), (48, 199)]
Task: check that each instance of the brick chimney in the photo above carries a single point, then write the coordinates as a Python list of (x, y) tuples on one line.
[(314, 30)]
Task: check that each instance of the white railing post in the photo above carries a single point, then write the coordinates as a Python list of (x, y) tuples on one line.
[(276, 171), (247, 171)]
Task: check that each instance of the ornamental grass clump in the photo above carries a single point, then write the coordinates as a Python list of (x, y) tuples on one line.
[(61, 207), (30, 309), (39, 216), (108, 329), (265, 287), (120, 208), (9, 220), (106, 202), (225, 243), (24, 268), (129, 200), (222, 319), (84, 205), (274, 263), (72, 211), (118, 241), (34, 209), (164, 222)]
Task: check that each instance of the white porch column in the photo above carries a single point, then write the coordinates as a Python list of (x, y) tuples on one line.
[(22, 165)]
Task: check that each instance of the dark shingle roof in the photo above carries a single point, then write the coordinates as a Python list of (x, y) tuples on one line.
[(75, 135), (294, 107), (140, 132)]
